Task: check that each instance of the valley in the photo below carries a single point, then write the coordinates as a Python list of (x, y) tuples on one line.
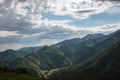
[(69, 57), (59, 39)]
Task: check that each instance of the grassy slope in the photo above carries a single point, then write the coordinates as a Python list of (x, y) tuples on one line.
[(86, 49), (104, 66), (14, 76)]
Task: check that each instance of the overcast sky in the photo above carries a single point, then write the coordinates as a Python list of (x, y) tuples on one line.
[(43, 22)]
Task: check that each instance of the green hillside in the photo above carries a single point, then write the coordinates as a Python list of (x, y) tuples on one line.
[(8, 55), (62, 55), (14, 76), (48, 58), (103, 66), (78, 52)]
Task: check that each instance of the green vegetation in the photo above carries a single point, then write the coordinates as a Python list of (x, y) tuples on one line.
[(46, 58), (103, 66), (87, 56), (8, 55), (78, 50), (15, 76)]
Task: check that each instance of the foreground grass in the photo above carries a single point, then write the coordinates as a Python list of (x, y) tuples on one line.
[(14, 76)]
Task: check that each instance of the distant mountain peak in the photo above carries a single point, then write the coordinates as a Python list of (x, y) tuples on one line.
[(10, 51), (116, 32), (78, 40), (93, 36)]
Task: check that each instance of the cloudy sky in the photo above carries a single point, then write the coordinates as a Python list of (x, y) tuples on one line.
[(39, 22)]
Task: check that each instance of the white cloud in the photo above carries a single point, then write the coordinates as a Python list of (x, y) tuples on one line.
[(13, 46), (1, 1), (105, 29), (51, 23), (7, 33), (30, 10), (53, 34), (21, 23), (113, 10), (80, 9)]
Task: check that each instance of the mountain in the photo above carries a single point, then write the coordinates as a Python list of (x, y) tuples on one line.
[(103, 66), (92, 36), (46, 58), (88, 46), (8, 55), (70, 52), (26, 50), (110, 39), (78, 40), (61, 55)]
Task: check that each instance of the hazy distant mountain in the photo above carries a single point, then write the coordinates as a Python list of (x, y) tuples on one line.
[(103, 66)]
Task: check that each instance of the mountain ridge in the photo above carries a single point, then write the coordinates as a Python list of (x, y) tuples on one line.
[(104, 66), (36, 59)]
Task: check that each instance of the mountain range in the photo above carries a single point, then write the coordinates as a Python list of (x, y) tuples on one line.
[(74, 53), (103, 66)]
